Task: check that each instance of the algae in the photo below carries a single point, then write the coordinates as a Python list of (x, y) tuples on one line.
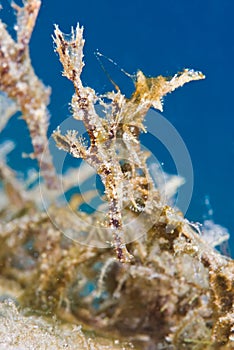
[(169, 289)]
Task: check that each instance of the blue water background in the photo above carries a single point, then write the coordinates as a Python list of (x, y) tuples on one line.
[(158, 37)]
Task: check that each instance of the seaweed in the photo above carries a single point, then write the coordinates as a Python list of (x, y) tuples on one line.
[(63, 268)]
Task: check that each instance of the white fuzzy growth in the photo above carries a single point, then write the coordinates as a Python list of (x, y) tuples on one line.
[(7, 109), (70, 51), (214, 234)]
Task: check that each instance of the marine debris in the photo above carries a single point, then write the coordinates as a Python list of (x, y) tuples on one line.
[(168, 289)]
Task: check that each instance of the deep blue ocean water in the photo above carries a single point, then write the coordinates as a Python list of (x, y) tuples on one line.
[(158, 37)]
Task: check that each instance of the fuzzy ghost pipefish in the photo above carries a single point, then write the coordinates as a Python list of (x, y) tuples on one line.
[(118, 131), (181, 288)]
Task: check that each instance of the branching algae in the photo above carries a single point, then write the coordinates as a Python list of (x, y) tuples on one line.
[(167, 290)]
